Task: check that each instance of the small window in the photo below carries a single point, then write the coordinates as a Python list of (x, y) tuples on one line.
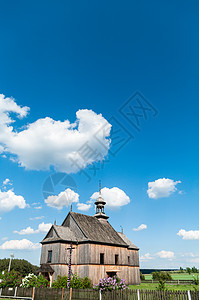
[(49, 256), (101, 258), (116, 259), (128, 260)]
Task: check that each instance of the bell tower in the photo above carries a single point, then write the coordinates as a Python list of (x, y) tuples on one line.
[(100, 203)]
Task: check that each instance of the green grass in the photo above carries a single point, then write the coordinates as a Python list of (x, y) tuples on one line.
[(153, 286), (177, 276)]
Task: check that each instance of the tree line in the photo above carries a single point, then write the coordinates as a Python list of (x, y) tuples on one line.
[(21, 266)]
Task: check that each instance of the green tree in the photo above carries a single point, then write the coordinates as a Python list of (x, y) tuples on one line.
[(194, 270), (142, 277), (181, 270), (188, 270), (161, 285), (165, 276), (21, 266)]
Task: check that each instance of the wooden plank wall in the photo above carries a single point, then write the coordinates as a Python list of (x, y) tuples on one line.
[(86, 261)]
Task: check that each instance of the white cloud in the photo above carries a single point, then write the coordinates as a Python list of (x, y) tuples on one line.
[(83, 206), (189, 235), (65, 198), (146, 256), (141, 227), (19, 245), (47, 142), (7, 181), (37, 218), (38, 207), (162, 187), (113, 197), (162, 254), (4, 238), (8, 201), (165, 254), (41, 228)]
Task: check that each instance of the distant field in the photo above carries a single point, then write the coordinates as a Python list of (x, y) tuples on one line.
[(153, 286), (177, 276)]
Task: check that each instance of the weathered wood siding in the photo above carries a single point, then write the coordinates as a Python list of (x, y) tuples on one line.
[(109, 255), (86, 261), (130, 274), (55, 248)]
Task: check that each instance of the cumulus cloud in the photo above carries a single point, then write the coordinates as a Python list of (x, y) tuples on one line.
[(165, 254), (6, 182), (83, 206), (162, 187), (146, 256), (162, 254), (19, 245), (189, 235), (65, 198), (9, 200), (46, 142), (113, 197), (140, 228), (41, 229)]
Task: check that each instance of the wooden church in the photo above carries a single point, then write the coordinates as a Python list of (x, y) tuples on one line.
[(98, 251)]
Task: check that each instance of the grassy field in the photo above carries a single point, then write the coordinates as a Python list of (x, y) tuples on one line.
[(177, 276), (153, 286)]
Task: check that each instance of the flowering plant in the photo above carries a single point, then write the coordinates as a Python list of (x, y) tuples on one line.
[(10, 279), (110, 283), (31, 280)]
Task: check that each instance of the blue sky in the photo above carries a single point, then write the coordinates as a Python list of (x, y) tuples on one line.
[(92, 57)]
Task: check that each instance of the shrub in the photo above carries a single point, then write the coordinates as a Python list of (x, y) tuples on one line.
[(161, 285), (61, 282), (80, 283), (76, 282), (142, 277), (165, 276), (31, 280), (110, 283), (10, 279), (194, 270)]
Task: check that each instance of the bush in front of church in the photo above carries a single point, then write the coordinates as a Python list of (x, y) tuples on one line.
[(76, 282), (31, 280), (10, 279), (110, 284)]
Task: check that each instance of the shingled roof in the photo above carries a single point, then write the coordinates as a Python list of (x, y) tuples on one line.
[(83, 228), (127, 241), (97, 231), (45, 268)]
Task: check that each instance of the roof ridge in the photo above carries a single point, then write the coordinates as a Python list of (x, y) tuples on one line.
[(78, 224), (53, 226)]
